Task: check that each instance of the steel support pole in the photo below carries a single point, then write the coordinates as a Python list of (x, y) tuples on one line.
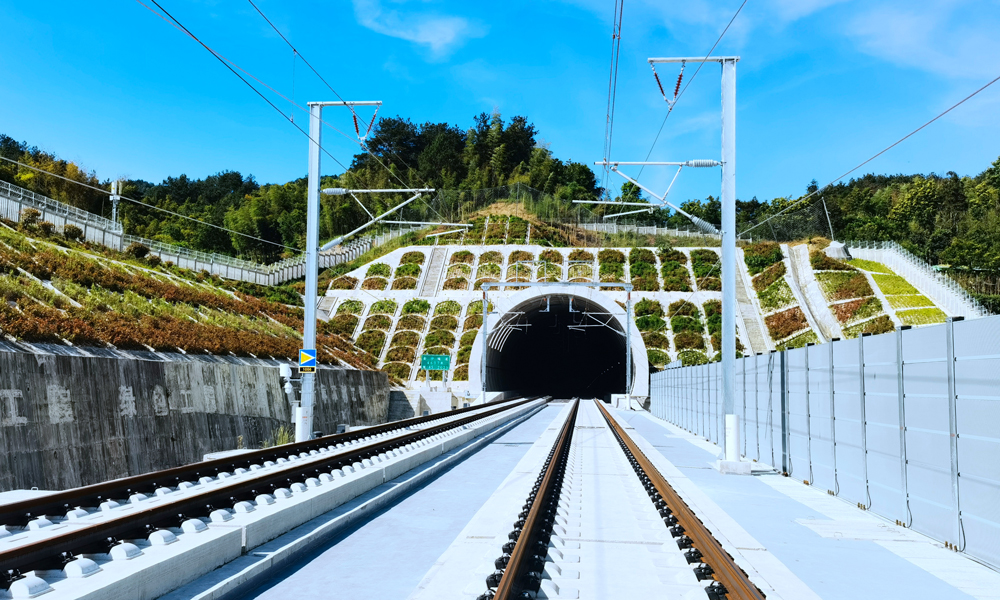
[(729, 244), (628, 348), (482, 366), (303, 427)]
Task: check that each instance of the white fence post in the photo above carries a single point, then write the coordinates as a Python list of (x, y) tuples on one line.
[(953, 429), (901, 397), (864, 421)]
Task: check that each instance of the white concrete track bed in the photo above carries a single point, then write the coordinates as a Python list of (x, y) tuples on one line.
[(793, 541), (174, 556), (609, 541), (797, 542), (435, 531), (385, 555)]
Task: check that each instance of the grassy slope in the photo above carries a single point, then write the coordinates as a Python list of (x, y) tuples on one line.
[(58, 291)]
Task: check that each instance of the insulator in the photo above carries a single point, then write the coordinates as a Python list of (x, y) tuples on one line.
[(356, 130), (659, 85)]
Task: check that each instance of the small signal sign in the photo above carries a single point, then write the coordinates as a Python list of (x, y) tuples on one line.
[(307, 360)]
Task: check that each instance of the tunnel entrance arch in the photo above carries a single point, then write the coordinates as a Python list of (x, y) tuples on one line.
[(562, 340)]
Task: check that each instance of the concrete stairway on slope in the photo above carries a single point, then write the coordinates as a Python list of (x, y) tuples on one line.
[(752, 323), (435, 267), (805, 279), (800, 295)]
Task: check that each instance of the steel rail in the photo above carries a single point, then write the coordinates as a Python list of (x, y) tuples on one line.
[(54, 552), (20, 513), (734, 580), (512, 583)]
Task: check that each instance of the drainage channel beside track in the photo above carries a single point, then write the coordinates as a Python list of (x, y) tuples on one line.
[(292, 483), (600, 521)]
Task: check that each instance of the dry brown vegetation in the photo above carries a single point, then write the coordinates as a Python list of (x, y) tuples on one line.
[(785, 323)]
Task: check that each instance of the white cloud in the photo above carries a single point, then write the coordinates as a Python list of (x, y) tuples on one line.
[(792, 10), (946, 37), (440, 33)]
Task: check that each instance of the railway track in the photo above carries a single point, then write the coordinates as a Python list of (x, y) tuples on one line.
[(102, 519), (521, 568)]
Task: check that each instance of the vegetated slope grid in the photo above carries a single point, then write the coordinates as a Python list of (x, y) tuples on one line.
[(61, 291), (783, 317), (908, 305), (449, 320)]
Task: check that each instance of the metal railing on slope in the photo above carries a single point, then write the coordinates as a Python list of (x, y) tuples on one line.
[(15, 199), (910, 266)]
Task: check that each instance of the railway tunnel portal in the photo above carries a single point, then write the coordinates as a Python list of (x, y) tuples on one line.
[(558, 340)]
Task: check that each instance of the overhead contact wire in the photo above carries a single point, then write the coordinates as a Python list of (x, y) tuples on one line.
[(878, 154), (687, 85), (233, 67), (371, 124)]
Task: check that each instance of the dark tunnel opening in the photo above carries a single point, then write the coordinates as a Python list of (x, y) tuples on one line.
[(560, 345)]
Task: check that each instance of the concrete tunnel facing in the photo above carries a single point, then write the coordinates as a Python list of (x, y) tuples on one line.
[(560, 341)]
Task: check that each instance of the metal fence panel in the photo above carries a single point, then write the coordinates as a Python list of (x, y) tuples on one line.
[(849, 424), (977, 390), (771, 409), (776, 422), (907, 424), (718, 414), (744, 397), (709, 407), (798, 414), (761, 411), (885, 485), (706, 401), (820, 421), (928, 454)]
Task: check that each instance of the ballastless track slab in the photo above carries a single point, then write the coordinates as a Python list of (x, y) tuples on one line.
[(587, 516), (238, 482)]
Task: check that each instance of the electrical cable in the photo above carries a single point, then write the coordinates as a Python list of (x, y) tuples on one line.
[(718, 263), (878, 154), (230, 65), (141, 203), (364, 145), (687, 85), (612, 89), (306, 62)]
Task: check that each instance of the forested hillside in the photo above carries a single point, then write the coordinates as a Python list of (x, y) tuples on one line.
[(403, 154), (944, 219)]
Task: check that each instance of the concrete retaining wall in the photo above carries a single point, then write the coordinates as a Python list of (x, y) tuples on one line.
[(73, 419)]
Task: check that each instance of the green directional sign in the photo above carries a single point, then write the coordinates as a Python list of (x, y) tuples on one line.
[(435, 362)]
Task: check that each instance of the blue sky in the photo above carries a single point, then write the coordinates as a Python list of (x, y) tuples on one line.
[(822, 84)]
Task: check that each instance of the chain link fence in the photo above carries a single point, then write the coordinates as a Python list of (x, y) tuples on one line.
[(904, 424)]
